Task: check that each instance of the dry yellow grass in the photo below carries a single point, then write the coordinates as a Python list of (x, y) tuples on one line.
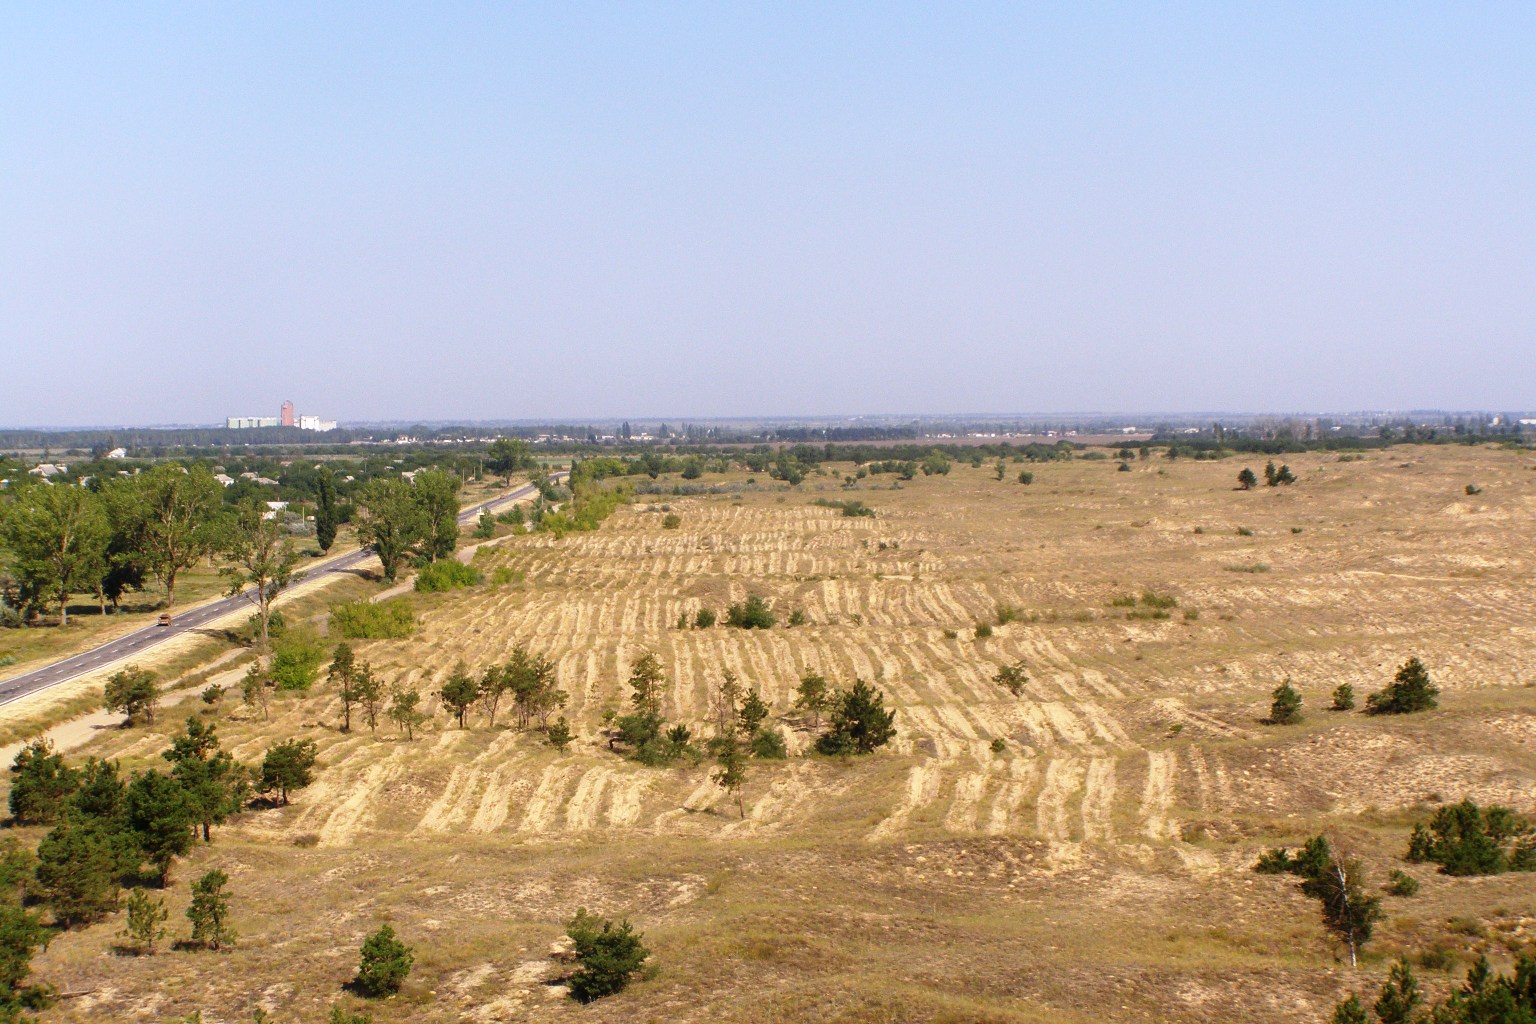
[(1095, 869)]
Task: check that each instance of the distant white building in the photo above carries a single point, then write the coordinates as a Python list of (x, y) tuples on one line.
[(250, 422), (273, 508), (118, 453), (316, 423), (46, 470), (224, 479)]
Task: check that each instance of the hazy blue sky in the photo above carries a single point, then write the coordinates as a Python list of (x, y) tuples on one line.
[(451, 210)]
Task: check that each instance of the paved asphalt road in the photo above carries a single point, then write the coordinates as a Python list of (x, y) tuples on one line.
[(195, 617)]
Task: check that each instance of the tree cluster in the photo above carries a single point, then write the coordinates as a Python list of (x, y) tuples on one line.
[(1465, 839), (1484, 998), (1410, 691), (1336, 883), (858, 721)]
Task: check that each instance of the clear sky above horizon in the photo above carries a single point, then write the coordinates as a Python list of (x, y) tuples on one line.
[(477, 211)]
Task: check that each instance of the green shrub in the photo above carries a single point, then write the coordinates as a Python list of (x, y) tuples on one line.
[(704, 618), (1252, 567), (999, 745), (1243, 531), (1151, 599), (1343, 697), (797, 618), (1007, 613), (502, 575), (1401, 883), (447, 574), (365, 620), (983, 630), (671, 521), (296, 660), (1026, 477), (1123, 601), (768, 744)]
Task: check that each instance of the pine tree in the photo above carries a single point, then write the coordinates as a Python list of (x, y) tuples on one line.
[(460, 691), (1350, 1011), (41, 783), (288, 766), (813, 697), (1285, 709), (403, 710), (1347, 911), (1410, 691), (160, 817), (343, 673), (1246, 479), (146, 919), (77, 872), (1343, 697), (731, 774), (859, 722), (752, 713), (608, 955), (1400, 996), (209, 912), (559, 734), (370, 694), (384, 964)]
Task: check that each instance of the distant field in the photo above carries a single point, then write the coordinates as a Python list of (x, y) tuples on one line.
[(1097, 868)]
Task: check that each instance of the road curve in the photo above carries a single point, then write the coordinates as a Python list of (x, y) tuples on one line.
[(140, 640)]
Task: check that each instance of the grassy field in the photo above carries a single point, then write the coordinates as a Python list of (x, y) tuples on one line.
[(1097, 868)]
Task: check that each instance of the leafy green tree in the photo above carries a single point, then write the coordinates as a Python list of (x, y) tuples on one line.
[(209, 912), (146, 922), (133, 691), (437, 495), (1343, 697), (559, 734), (1409, 692), (384, 964), (1012, 678), (507, 455), (77, 872), (460, 692), (370, 694), (731, 769), (1246, 479), (494, 684), (41, 783), (390, 522), (160, 817), (607, 956), (859, 723), (343, 672), (404, 711), (171, 514), (256, 688), (532, 683), (260, 562), (1283, 476), (768, 745), (485, 526), (1285, 706), (644, 724), (340, 1016), (935, 464), (288, 766), (813, 697), (704, 618), (1347, 911), (327, 513), (58, 538)]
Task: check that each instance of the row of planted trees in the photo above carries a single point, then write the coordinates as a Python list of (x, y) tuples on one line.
[(109, 538)]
